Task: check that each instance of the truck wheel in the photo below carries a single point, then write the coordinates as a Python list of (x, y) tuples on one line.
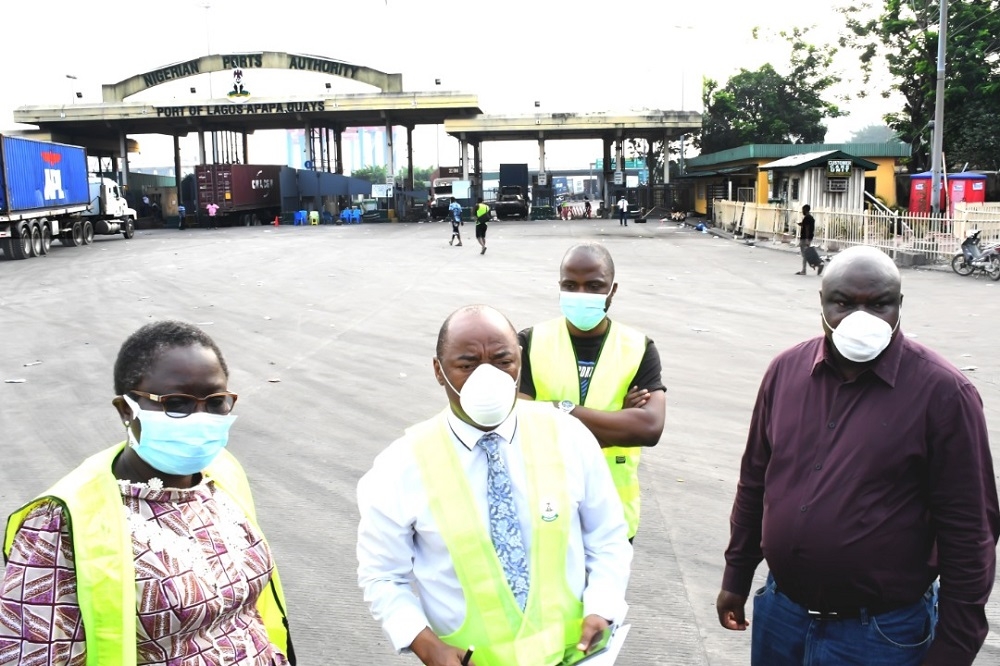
[(46, 230), (88, 232), (21, 242), (36, 240), (128, 229), (254, 220), (75, 236)]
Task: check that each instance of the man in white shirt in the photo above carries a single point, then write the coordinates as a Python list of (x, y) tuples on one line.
[(495, 524), (622, 211)]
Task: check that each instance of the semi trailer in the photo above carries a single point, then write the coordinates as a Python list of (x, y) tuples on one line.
[(46, 192)]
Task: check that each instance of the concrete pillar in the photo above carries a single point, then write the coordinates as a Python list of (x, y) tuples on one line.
[(409, 158), (464, 157), (390, 161), (123, 150), (246, 149), (311, 149), (541, 157), (666, 159), (201, 148), (477, 167), (650, 168), (338, 145), (608, 199), (177, 173)]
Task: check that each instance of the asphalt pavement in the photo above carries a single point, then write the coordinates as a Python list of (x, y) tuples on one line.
[(329, 333)]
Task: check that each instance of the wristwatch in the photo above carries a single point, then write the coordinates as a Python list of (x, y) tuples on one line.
[(566, 406)]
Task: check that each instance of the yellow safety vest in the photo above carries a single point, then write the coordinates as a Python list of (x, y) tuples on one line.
[(105, 567), (548, 629), (482, 213), (556, 375)]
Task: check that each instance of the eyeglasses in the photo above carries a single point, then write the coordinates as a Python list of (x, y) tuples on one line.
[(179, 405)]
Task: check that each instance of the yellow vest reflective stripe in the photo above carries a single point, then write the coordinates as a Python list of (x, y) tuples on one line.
[(556, 375), (105, 568), (503, 635), (481, 210)]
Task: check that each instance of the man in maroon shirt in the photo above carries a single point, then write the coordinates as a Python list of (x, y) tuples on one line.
[(867, 477)]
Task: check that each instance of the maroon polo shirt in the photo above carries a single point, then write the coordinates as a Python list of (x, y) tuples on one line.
[(860, 493)]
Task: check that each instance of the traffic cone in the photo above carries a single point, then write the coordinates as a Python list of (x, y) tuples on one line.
[(277, 220)]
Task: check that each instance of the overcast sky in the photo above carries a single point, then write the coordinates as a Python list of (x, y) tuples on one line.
[(579, 56)]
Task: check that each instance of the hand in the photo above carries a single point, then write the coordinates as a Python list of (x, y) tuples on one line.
[(433, 652), (636, 397), (731, 611), (593, 627)]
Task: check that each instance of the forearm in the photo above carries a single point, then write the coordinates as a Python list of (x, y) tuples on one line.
[(631, 426)]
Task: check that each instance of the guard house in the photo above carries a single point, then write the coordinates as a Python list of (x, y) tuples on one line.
[(829, 180), (737, 174)]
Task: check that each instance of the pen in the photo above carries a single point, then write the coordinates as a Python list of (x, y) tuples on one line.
[(468, 655)]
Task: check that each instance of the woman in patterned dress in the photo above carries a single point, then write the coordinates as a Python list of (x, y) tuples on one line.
[(205, 588)]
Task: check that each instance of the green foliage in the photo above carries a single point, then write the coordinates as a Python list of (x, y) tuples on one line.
[(373, 174), (902, 36), (376, 174), (874, 134), (766, 106)]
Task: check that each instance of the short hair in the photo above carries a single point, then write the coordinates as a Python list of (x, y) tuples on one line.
[(595, 250), (143, 348), (806, 208), (468, 309)]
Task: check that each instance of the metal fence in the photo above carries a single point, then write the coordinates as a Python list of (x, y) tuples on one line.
[(934, 238)]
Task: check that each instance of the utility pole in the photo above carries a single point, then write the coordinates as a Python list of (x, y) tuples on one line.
[(938, 142)]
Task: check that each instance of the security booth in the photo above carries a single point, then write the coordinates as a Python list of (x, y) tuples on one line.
[(830, 180), (955, 188)]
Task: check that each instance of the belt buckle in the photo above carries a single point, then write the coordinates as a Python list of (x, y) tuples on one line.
[(823, 615)]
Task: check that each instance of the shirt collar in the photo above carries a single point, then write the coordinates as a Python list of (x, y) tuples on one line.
[(886, 366), (468, 435)]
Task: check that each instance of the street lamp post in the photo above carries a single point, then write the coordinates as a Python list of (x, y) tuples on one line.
[(73, 94), (938, 141)]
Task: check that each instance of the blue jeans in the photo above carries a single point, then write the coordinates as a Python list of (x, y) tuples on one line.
[(784, 634)]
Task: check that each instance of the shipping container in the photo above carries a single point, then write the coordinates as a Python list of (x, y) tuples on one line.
[(237, 188), (39, 175)]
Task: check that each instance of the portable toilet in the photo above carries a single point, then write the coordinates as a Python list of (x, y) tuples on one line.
[(965, 186)]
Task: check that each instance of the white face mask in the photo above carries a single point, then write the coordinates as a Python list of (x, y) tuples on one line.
[(861, 337), (488, 395)]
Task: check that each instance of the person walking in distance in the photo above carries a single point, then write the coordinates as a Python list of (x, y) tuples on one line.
[(622, 211), (455, 209), (482, 217), (867, 485), (807, 229)]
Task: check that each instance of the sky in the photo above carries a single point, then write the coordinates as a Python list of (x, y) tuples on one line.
[(580, 56)]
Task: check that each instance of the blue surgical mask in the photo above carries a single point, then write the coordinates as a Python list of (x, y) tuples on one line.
[(583, 310), (179, 447)]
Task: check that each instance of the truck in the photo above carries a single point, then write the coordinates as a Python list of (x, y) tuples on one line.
[(47, 192), (442, 191), (512, 197), (245, 194)]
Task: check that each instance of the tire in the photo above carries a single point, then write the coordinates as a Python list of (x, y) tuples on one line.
[(46, 230), (128, 228), (88, 232), (36, 240), (959, 266), (20, 245), (994, 270)]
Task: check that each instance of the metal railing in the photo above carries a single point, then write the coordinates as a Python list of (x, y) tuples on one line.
[(937, 238)]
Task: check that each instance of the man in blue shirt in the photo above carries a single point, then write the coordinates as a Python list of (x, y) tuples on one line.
[(456, 219)]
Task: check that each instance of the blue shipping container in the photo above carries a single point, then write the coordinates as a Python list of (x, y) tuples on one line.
[(37, 175)]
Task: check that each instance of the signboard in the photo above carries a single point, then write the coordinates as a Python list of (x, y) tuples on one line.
[(308, 165), (542, 179), (390, 179), (838, 169), (450, 172), (629, 164), (619, 178), (836, 185), (643, 177), (382, 191)]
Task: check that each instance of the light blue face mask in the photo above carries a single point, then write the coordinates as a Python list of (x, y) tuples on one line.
[(179, 447), (583, 310)]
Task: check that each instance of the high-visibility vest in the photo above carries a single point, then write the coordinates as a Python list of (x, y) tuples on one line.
[(503, 635), (556, 375), (105, 566), (482, 212)]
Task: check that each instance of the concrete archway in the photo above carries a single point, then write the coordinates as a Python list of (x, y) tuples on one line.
[(118, 92)]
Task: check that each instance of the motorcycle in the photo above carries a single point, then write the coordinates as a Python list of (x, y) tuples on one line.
[(974, 259)]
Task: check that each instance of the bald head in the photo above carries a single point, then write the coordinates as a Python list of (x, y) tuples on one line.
[(485, 314), (861, 259), (593, 251)]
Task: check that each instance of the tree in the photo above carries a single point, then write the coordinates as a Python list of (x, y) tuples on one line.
[(874, 134), (373, 174), (903, 34), (421, 176), (765, 106)]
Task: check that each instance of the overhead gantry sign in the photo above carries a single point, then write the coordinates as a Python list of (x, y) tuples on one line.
[(118, 92)]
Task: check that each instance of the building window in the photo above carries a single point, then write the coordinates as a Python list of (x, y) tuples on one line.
[(795, 189)]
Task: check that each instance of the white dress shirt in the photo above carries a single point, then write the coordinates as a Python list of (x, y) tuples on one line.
[(404, 566)]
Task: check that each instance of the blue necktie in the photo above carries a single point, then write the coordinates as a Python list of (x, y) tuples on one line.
[(505, 530)]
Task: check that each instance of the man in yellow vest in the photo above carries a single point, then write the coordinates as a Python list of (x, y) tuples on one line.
[(602, 372), (492, 528)]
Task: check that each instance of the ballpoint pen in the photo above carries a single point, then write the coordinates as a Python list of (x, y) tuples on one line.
[(468, 655)]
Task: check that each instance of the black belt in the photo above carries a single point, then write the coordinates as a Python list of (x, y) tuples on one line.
[(846, 611)]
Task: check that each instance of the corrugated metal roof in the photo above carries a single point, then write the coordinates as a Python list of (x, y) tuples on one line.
[(809, 160), (777, 151)]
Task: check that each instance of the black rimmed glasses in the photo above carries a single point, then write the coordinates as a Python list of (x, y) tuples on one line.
[(179, 405)]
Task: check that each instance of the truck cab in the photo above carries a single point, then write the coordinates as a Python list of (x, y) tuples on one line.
[(107, 202)]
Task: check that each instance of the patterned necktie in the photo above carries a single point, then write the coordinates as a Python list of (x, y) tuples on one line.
[(505, 530)]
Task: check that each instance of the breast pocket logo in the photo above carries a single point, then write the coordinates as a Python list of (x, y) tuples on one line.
[(549, 512)]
